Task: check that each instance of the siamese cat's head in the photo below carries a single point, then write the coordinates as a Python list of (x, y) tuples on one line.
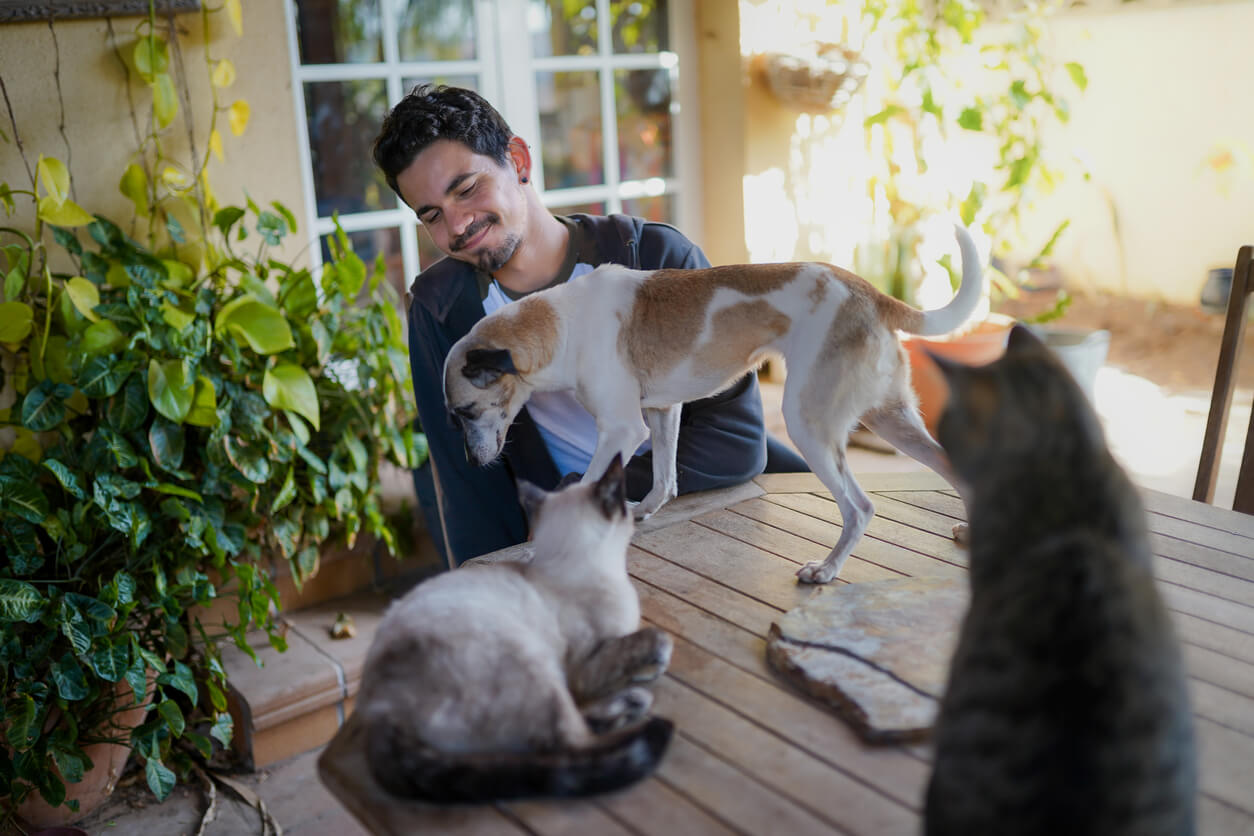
[(593, 509)]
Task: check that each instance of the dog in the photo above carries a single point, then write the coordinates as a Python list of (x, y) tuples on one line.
[(626, 341)]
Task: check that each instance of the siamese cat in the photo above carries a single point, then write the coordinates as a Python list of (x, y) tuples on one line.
[(521, 679), (1066, 710)]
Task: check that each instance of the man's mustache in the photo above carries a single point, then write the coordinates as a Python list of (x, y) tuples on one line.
[(471, 231)]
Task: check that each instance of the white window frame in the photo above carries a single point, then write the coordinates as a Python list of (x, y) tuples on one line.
[(514, 94)]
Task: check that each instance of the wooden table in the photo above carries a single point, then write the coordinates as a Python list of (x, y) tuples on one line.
[(751, 755)]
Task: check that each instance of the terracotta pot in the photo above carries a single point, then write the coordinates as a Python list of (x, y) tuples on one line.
[(982, 344), (108, 760)]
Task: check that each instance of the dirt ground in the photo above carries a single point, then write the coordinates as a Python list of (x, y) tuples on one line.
[(1175, 346)]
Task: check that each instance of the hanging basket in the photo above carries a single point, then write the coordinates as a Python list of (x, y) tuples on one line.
[(817, 78)]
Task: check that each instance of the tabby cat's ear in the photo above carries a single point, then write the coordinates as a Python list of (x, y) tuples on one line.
[(611, 489), (530, 498), (949, 369), (1023, 341)]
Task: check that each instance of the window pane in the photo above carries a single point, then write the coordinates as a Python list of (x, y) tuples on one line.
[(436, 30), (639, 25), (643, 100), (343, 119), (570, 128), (573, 208), (367, 244), (657, 208), (562, 27), (470, 82), (339, 31)]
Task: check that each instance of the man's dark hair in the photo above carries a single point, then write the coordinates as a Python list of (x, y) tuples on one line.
[(431, 112)]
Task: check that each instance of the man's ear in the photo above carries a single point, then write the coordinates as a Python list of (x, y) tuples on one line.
[(484, 366), (520, 158)]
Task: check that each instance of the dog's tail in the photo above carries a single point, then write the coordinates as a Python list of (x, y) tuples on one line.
[(946, 319), (408, 768)]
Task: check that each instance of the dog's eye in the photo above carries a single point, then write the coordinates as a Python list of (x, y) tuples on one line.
[(463, 413)]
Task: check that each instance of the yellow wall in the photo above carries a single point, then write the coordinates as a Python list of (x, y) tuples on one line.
[(98, 125), (1165, 84)]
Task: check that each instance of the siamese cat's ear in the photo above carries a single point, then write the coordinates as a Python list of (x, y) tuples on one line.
[(485, 366), (611, 489), (530, 498)]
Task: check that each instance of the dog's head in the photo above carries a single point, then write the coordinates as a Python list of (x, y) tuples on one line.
[(484, 392)]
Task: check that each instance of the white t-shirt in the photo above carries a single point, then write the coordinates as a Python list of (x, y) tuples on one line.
[(569, 431)]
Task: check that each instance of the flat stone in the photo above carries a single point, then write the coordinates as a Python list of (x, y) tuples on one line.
[(878, 653)]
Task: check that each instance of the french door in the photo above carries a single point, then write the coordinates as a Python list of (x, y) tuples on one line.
[(594, 86)]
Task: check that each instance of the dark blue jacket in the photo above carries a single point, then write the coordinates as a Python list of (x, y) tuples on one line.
[(721, 439)]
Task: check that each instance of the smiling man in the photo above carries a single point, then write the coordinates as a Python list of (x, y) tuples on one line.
[(452, 158)]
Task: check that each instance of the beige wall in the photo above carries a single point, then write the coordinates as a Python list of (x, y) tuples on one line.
[(1165, 84), (98, 124)]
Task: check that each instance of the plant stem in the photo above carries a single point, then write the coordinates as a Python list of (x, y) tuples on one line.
[(17, 137), (56, 80)]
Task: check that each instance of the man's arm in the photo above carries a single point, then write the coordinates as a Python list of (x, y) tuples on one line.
[(479, 509)]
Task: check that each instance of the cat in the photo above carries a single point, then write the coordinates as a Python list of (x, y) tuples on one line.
[(521, 679), (1066, 710)]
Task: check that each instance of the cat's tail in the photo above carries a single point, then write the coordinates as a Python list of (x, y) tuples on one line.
[(959, 310), (408, 768)]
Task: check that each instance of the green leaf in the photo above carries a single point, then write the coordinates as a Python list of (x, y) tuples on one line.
[(1019, 94), (71, 480), (350, 270), (974, 200), (169, 389), (137, 678), (69, 677), (883, 116), (22, 543), (250, 460), (65, 213), (102, 377), (226, 217), (173, 716), (972, 119), (19, 601), (84, 295), (204, 410), (152, 56), (166, 440), (272, 228), (111, 662), (70, 762), (14, 284), (52, 174), (223, 726), (1078, 76), (165, 101), (286, 493), (43, 408), (175, 490), (23, 730), (134, 185), (288, 386), (126, 587), (24, 499), (160, 778), (128, 408), (79, 634), (181, 679), (177, 318), (103, 337), (16, 319), (262, 326)]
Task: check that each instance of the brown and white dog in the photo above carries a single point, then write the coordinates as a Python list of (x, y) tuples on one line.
[(626, 341)]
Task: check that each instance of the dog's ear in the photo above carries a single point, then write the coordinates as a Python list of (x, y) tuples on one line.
[(484, 366), (611, 489)]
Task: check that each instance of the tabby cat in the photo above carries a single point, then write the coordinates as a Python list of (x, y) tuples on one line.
[(518, 679), (1066, 710)]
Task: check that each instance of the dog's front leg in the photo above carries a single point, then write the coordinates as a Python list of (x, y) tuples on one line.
[(664, 436), (622, 436)]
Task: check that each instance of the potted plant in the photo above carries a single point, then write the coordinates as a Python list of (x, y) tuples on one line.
[(957, 92), (177, 408)]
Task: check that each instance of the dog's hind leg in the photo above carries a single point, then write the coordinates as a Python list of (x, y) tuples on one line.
[(824, 450), (901, 426), (664, 436)]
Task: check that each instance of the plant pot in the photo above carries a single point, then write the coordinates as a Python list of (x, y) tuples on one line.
[(1082, 351), (977, 346), (108, 760)]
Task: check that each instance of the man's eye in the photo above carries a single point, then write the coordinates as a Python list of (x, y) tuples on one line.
[(430, 218), (466, 192)]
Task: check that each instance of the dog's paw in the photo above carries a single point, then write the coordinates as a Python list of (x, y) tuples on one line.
[(638, 511), (816, 571), (961, 534)]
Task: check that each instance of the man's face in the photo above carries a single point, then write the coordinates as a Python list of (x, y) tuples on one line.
[(472, 206)]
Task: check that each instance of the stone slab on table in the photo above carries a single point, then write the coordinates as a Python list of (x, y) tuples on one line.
[(877, 653)]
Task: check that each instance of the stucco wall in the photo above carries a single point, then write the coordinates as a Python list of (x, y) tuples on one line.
[(99, 130), (1165, 85)]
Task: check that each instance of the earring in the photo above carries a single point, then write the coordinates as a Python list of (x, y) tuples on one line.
[(523, 180)]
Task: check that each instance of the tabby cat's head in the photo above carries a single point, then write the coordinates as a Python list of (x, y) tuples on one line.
[(1023, 412)]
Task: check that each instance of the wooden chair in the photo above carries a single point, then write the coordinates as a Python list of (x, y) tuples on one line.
[(1221, 398)]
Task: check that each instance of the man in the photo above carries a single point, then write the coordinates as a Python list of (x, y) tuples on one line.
[(453, 160)]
